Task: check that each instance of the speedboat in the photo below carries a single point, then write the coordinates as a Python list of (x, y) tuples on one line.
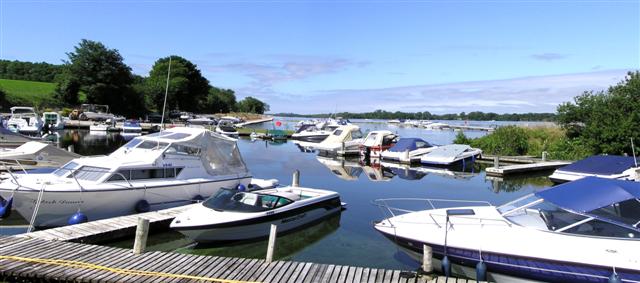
[(342, 141), (226, 128), (582, 231), (603, 166), (451, 154), (34, 154), (156, 171), (25, 120), (407, 150), (53, 121), (376, 142), (131, 126), (311, 133), (201, 121), (232, 215)]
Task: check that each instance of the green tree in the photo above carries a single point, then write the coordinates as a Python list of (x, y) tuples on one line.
[(67, 89), (3, 100), (101, 74), (252, 105), (220, 101), (188, 89), (605, 121)]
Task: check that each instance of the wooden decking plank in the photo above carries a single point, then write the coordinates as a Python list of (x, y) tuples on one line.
[(337, 272), (294, 273), (269, 268), (192, 266), (388, 275), (275, 275), (327, 274), (124, 260), (285, 272), (93, 257), (249, 266), (317, 276), (106, 258), (224, 267), (51, 271), (252, 275), (34, 249), (309, 275), (175, 267), (155, 266), (206, 266), (348, 278), (220, 263), (44, 251), (357, 276), (233, 269), (373, 273)]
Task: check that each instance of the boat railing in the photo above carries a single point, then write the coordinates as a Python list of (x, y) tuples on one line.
[(390, 211)]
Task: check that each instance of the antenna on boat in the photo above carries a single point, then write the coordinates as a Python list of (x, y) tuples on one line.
[(633, 151), (166, 90)]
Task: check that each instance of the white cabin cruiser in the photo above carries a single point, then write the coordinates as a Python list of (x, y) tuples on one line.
[(313, 133), (156, 171), (602, 166), (131, 126), (449, 155), (407, 150), (233, 215), (25, 120), (108, 125), (343, 140), (227, 128), (583, 231), (376, 142), (53, 121)]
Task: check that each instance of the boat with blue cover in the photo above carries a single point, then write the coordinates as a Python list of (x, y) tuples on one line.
[(407, 150), (603, 166), (583, 231)]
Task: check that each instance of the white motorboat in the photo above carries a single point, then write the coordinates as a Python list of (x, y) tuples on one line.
[(603, 166), (34, 154), (227, 128), (343, 140), (448, 155), (108, 125), (201, 121), (131, 126), (311, 133), (233, 215), (155, 171), (582, 231), (52, 121), (435, 126), (407, 150), (376, 142), (25, 120)]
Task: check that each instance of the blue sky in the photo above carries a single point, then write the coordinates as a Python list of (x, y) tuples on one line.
[(321, 56)]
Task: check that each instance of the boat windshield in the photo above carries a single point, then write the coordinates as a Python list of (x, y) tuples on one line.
[(70, 166), (237, 201), (620, 220)]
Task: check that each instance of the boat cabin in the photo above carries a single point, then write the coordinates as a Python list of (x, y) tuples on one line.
[(241, 201)]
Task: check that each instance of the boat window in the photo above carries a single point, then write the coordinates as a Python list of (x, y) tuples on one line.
[(183, 150), (603, 229), (176, 136), (371, 138), (132, 143), (65, 169), (141, 174), (422, 144), (153, 145), (337, 132), (89, 173), (356, 134), (627, 212)]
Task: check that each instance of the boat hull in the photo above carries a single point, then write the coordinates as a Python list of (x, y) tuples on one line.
[(310, 138), (256, 228), (56, 207), (508, 268)]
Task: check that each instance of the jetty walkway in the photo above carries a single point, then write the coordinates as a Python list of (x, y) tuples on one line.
[(65, 255)]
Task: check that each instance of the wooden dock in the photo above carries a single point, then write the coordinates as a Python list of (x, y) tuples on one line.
[(31, 260), (522, 168), (100, 231)]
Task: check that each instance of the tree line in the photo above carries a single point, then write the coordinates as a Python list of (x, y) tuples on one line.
[(475, 115), (94, 73), (28, 71)]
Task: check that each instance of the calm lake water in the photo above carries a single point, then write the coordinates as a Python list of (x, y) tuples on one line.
[(348, 238)]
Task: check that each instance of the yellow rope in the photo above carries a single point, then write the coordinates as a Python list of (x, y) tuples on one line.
[(79, 264)]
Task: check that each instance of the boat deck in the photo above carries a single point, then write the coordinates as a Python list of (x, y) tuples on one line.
[(522, 168)]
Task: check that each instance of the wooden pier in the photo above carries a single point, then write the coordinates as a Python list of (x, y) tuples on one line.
[(522, 168), (44, 260)]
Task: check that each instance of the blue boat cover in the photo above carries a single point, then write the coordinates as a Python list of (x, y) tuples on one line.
[(408, 144), (601, 165), (590, 193)]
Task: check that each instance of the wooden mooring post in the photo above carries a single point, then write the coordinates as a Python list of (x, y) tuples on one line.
[(142, 232), (427, 259), (271, 247), (496, 162), (296, 179)]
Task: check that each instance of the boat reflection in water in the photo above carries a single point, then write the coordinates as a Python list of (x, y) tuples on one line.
[(287, 245), (376, 170)]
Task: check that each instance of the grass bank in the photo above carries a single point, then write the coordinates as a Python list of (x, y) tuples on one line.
[(514, 140), (28, 93)]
